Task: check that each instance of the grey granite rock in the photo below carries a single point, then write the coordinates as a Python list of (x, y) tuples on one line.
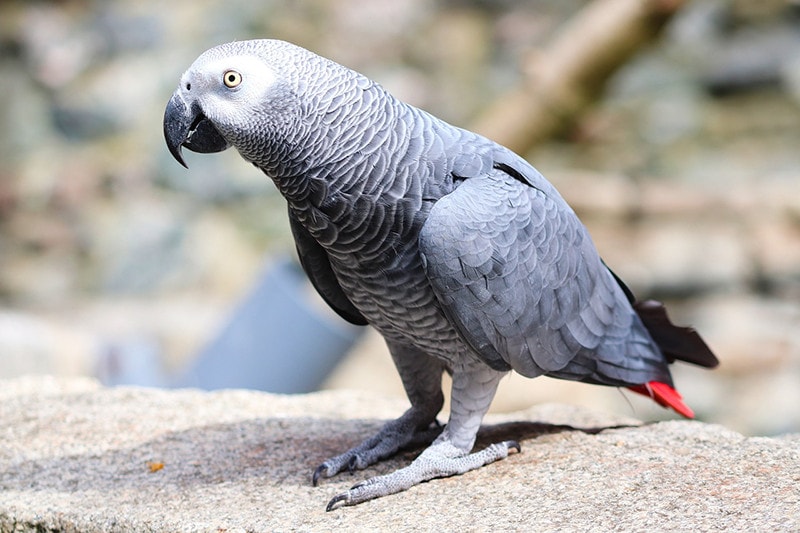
[(79, 457)]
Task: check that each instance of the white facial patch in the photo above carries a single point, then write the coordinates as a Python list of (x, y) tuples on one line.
[(229, 105)]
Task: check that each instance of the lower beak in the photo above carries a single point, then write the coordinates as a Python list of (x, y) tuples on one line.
[(188, 126)]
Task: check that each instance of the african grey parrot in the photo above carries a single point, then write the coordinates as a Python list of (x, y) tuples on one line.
[(454, 248)]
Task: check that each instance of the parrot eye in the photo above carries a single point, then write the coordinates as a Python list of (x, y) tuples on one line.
[(231, 78)]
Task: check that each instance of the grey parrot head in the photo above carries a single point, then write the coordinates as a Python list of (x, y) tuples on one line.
[(229, 93)]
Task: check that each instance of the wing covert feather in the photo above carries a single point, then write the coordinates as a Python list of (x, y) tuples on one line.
[(516, 273)]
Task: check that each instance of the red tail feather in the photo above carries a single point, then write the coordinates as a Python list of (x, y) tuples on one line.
[(665, 396)]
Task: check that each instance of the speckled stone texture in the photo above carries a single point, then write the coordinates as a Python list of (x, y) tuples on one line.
[(79, 457)]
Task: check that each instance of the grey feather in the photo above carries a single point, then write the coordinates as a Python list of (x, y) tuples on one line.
[(317, 267)]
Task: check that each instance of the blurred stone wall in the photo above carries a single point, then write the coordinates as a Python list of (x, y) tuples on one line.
[(687, 174)]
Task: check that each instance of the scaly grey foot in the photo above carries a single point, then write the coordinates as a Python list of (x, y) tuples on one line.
[(391, 438), (441, 459)]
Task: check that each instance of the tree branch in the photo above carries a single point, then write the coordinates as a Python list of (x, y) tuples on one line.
[(572, 72)]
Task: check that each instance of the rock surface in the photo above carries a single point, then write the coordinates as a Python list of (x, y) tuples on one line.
[(80, 457)]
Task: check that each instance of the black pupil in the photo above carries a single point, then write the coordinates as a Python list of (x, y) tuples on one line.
[(231, 78)]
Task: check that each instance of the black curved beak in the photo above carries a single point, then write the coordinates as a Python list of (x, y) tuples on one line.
[(187, 126)]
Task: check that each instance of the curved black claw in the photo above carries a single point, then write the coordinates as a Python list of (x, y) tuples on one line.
[(352, 464), (513, 445), (335, 500), (323, 468)]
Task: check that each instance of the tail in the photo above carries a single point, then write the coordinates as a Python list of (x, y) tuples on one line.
[(665, 396), (676, 343)]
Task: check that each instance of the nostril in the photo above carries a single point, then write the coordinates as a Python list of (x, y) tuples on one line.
[(188, 86)]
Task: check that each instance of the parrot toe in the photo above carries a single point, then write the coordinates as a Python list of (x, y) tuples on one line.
[(391, 438), (441, 459)]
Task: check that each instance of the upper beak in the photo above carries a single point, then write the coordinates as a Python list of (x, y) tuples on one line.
[(188, 126)]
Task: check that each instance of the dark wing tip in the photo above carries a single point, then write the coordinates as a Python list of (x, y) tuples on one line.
[(676, 342)]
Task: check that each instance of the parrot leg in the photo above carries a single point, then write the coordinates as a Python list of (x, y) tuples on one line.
[(449, 454), (422, 380)]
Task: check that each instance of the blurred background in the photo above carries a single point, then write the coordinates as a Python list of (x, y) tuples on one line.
[(116, 262)]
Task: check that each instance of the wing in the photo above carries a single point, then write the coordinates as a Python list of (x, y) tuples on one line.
[(517, 274), (317, 267)]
